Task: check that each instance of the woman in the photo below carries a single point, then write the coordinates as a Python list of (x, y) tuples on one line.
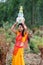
[(21, 40)]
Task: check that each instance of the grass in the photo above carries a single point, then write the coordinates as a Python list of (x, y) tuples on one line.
[(34, 42)]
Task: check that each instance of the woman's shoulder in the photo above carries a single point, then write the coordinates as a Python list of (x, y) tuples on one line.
[(17, 32)]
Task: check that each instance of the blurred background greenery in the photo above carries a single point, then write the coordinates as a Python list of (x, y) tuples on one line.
[(33, 13)]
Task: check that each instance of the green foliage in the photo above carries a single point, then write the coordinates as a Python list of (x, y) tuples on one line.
[(10, 37), (2, 10), (33, 11), (34, 42)]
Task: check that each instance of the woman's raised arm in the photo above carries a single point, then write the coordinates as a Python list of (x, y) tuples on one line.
[(26, 29), (13, 27)]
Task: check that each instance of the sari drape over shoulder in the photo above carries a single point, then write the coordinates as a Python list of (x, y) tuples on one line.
[(18, 51)]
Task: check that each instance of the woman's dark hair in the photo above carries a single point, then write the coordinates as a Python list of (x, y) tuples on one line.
[(23, 28)]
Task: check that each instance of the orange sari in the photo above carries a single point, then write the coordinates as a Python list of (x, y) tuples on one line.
[(18, 51)]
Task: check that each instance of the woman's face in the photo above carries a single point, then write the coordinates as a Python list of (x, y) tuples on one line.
[(20, 28)]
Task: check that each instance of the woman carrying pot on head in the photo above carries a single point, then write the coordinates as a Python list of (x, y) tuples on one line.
[(20, 42)]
